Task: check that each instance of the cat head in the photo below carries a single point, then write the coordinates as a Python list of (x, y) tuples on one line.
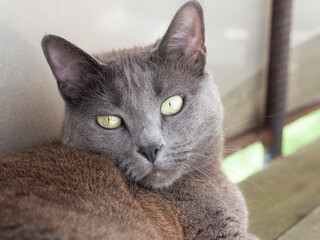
[(155, 111)]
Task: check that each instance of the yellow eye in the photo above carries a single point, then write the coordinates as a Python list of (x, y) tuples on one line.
[(172, 105), (109, 121)]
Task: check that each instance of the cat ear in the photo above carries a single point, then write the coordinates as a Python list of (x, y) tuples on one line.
[(185, 35), (71, 66)]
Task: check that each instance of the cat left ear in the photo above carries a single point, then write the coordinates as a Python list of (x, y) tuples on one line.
[(185, 35), (72, 67)]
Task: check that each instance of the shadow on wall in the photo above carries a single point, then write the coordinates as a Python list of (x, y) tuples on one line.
[(31, 112)]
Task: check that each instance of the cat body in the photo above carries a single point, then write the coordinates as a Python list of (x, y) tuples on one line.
[(143, 142), (55, 192)]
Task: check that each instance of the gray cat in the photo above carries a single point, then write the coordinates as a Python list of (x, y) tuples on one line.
[(156, 113)]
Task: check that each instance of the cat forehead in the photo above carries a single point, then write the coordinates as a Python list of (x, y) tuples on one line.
[(139, 74)]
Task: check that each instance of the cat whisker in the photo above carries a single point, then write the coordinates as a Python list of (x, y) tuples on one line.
[(132, 188), (178, 145), (199, 151), (238, 174), (206, 174), (203, 155), (250, 181), (289, 170), (295, 174), (266, 193)]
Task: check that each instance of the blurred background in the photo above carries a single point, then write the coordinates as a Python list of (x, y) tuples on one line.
[(238, 43), (264, 56)]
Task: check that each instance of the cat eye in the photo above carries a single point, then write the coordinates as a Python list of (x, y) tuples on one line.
[(172, 105), (109, 121)]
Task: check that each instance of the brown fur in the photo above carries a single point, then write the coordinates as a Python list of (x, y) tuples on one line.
[(55, 192)]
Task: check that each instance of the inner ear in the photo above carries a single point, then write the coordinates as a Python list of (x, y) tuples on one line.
[(72, 67), (185, 35)]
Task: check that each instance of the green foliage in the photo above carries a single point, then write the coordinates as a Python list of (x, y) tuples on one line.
[(244, 163), (301, 132), (249, 160)]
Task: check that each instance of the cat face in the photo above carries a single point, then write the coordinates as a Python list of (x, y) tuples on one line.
[(154, 111)]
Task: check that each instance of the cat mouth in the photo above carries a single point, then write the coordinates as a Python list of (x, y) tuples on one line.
[(158, 178), (158, 173)]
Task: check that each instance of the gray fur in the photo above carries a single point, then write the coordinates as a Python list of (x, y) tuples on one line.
[(196, 126), (133, 84)]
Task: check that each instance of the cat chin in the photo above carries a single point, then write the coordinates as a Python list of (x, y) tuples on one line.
[(158, 179)]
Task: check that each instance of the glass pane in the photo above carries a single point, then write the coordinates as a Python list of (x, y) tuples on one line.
[(237, 40), (304, 81)]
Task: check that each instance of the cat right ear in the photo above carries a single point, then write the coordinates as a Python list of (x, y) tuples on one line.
[(71, 66), (185, 35)]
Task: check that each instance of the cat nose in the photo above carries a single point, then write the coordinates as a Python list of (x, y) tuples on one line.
[(150, 152)]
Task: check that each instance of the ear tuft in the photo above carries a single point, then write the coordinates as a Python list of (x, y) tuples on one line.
[(185, 35), (71, 66)]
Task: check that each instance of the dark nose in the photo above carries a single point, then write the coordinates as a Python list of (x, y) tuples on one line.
[(150, 152)]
